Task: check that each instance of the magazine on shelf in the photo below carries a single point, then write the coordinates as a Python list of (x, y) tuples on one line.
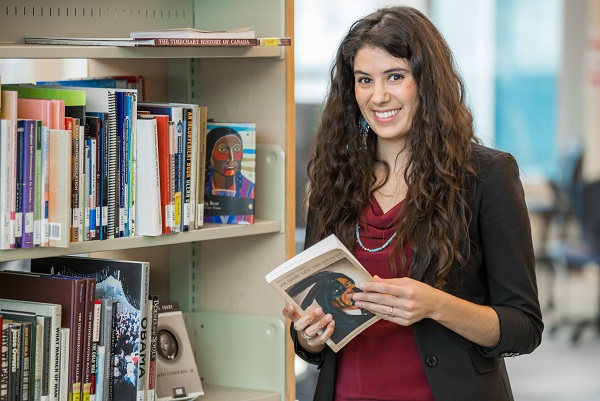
[(191, 33), (323, 276)]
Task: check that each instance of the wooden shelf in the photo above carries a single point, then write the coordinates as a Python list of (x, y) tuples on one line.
[(26, 51), (207, 233)]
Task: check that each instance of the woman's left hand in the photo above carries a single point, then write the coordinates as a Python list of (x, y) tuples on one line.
[(400, 300)]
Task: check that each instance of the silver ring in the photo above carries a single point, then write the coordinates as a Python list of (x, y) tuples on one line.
[(306, 336), (391, 314)]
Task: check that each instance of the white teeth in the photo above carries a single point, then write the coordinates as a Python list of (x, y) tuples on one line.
[(386, 114)]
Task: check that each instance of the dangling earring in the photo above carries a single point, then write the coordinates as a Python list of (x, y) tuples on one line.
[(363, 127)]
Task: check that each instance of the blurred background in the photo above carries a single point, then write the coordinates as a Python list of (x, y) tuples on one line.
[(532, 71)]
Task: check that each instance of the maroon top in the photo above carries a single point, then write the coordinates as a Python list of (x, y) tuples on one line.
[(382, 362)]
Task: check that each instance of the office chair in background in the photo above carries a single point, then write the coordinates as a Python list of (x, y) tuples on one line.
[(583, 248)]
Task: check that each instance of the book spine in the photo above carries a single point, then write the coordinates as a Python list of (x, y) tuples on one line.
[(201, 174), (142, 368), (65, 357), (94, 349), (121, 186), (20, 171), (80, 141), (28, 183), (87, 332), (75, 171), (131, 103), (37, 362), (14, 360), (6, 189), (100, 372), (59, 178), (194, 166), (25, 362), (45, 185), (86, 190), (92, 193), (153, 314), (38, 190), (187, 169), (4, 364), (113, 170), (206, 42), (45, 360)]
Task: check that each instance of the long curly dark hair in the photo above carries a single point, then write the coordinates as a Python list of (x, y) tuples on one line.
[(341, 169)]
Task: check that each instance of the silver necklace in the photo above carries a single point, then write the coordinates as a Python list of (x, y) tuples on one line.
[(375, 249)]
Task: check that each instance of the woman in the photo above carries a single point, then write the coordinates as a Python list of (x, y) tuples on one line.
[(399, 176)]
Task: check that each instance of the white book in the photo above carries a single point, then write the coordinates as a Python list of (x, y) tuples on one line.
[(59, 181), (63, 393), (320, 276), (100, 377), (6, 190), (148, 213)]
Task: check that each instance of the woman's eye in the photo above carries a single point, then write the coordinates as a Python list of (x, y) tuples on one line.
[(364, 81)]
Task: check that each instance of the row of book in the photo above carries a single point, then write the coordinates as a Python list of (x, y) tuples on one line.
[(82, 163), (87, 329)]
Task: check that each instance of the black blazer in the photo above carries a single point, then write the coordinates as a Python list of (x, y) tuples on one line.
[(500, 273)]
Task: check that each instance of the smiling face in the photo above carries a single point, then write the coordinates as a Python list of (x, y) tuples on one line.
[(386, 93)]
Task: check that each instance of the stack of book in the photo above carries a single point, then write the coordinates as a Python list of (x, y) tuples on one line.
[(81, 329), (237, 37), (87, 329), (73, 152)]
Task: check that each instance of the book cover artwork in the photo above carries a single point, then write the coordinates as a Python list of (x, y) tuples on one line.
[(324, 276), (177, 376), (230, 173), (127, 283)]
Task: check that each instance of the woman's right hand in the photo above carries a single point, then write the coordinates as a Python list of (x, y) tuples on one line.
[(309, 326)]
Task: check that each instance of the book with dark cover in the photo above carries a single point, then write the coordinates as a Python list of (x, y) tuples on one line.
[(230, 173), (97, 126), (86, 357), (324, 275), (14, 361), (126, 282), (28, 323), (52, 313), (69, 292), (4, 334), (177, 376)]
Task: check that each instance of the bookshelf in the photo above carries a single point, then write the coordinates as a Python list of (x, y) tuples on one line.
[(217, 272)]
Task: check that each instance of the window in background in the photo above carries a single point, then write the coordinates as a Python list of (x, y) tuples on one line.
[(509, 53)]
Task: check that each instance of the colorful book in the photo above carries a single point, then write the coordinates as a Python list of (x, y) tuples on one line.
[(230, 173), (175, 111), (126, 282), (153, 309)]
